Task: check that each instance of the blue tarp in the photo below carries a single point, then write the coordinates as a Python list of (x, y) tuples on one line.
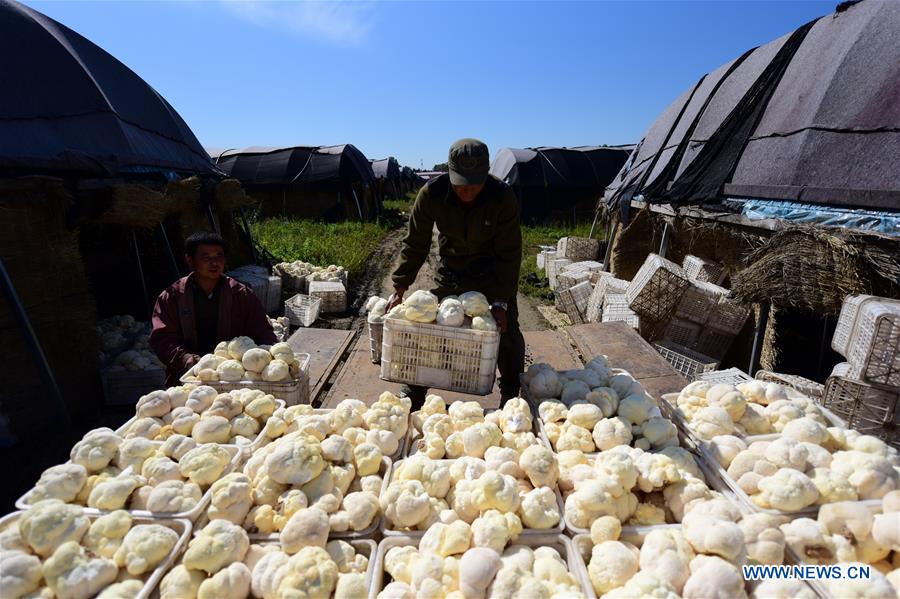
[(887, 223)]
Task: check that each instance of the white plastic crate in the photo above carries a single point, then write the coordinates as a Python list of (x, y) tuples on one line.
[(682, 332), (728, 315), (440, 357), (656, 289), (332, 294), (867, 409), (699, 269), (553, 268), (615, 308), (376, 335), (594, 308), (730, 376), (256, 281), (292, 392), (574, 301), (698, 301), (125, 387), (686, 361), (840, 341), (548, 252), (273, 295), (801, 384), (874, 352), (302, 310), (713, 343), (578, 248), (568, 278)]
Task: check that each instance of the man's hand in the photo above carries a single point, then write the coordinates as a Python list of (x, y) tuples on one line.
[(499, 315), (396, 298)]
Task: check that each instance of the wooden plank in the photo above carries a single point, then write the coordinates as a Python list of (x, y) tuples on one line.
[(624, 347), (657, 386), (325, 348), (551, 348)]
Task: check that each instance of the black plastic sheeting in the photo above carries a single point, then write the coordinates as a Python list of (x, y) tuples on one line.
[(813, 116), (69, 107), (557, 179), (386, 168), (300, 165)]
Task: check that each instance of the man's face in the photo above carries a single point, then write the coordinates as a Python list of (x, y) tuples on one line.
[(208, 261), (467, 193)]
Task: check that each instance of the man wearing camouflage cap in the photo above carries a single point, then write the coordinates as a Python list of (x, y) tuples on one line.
[(480, 247)]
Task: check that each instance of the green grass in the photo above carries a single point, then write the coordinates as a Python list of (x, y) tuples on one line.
[(348, 244), (532, 238)]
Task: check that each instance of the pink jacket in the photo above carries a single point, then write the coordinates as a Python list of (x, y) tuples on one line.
[(174, 334)]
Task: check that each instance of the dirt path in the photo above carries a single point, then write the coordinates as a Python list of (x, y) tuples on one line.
[(529, 318)]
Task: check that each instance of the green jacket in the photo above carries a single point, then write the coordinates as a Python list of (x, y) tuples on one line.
[(480, 245)]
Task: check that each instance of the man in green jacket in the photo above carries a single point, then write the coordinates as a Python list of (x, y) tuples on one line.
[(480, 247)]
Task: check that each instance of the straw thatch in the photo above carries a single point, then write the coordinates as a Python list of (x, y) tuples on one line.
[(631, 244), (136, 206), (814, 269), (42, 256)]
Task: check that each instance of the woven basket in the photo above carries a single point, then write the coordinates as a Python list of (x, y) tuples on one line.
[(574, 301), (615, 309), (656, 289), (698, 301), (698, 269), (713, 343), (874, 354), (554, 267), (332, 294), (809, 388), (578, 248), (682, 332), (865, 408), (728, 316), (686, 361)]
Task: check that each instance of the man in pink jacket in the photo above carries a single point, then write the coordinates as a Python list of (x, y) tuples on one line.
[(198, 311)]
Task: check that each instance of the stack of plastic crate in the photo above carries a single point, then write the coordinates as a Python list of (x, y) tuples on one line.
[(865, 390)]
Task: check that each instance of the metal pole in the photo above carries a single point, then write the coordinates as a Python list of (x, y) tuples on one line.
[(164, 241), (248, 234), (759, 336), (594, 224), (137, 256), (212, 219), (358, 209), (34, 346), (609, 242), (664, 244)]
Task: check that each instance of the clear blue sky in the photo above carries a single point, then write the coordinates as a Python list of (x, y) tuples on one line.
[(407, 78)]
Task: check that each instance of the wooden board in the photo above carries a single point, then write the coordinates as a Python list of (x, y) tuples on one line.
[(624, 347), (325, 348), (360, 379), (550, 347), (657, 386)]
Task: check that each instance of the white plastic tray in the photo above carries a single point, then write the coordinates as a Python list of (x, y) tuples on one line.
[(390, 532), (180, 526), (713, 481), (292, 392), (413, 435), (191, 515), (561, 543), (368, 532), (582, 546), (249, 447)]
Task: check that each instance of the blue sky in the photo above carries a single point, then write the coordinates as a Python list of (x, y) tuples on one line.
[(406, 78)]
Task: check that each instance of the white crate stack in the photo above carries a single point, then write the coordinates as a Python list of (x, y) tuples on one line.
[(615, 308), (548, 252), (265, 286), (865, 390), (553, 267), (574, 301)]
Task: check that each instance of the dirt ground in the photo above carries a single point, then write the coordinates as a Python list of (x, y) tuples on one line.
[(529, 318)]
